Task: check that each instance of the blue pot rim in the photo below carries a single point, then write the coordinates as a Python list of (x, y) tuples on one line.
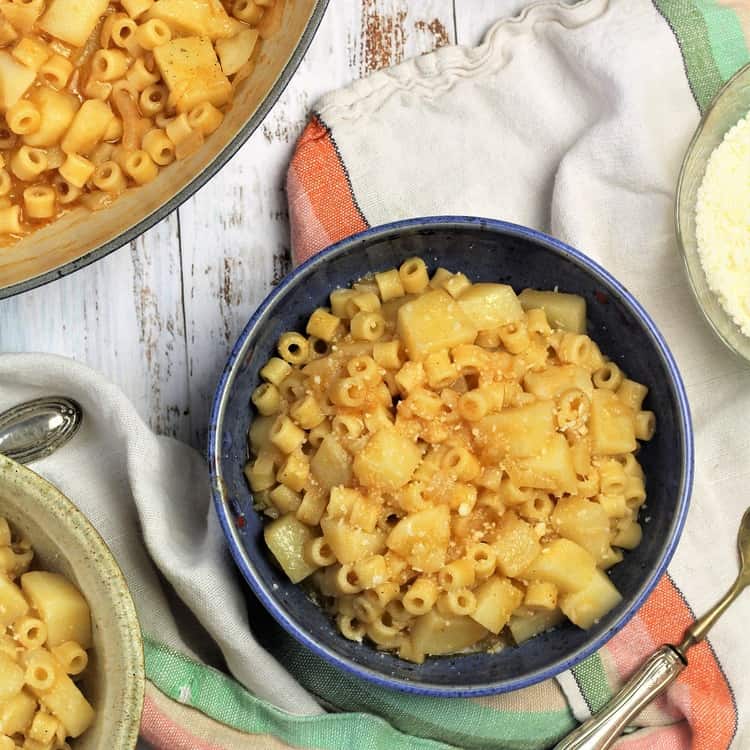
[(246, 565)]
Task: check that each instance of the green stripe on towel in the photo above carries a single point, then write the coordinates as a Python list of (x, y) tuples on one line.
[(451, 721), (592, 680), (711, 40), (223, 699), (726, 37), (461, 722)]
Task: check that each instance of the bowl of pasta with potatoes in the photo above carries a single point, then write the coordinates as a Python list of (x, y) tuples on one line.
[(114, 113), (71, 655), (451, 455)]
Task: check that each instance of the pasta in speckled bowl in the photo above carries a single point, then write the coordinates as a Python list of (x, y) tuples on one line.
[(65, 543), (412, 464)]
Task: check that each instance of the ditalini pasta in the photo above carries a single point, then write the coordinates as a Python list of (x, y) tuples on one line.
[(45, 631), (449, 464), (97, 97)]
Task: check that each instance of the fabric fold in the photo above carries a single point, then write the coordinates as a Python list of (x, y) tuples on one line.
[(149, 498)]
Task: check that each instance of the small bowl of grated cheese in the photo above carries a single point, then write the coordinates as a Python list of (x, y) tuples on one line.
[(712, 213)]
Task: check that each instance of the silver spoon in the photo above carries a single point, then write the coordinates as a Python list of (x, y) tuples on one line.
[(660, 669), (34, 429)]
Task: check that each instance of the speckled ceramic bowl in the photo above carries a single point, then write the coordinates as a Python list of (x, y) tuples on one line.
[(485, 250), (65, 542)]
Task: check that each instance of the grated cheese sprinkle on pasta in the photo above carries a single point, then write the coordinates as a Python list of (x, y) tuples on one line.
[(723, 223)]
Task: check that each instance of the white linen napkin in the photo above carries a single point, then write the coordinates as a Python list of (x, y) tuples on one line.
[(149, 498)]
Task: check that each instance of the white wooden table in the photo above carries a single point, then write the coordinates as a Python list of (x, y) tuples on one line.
[(159, 316)]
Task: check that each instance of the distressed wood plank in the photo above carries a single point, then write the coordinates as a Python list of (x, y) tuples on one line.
[(390, 30), (122, 316), (234, 232)]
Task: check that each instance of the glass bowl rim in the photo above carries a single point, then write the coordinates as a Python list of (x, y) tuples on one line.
[(700, 129)]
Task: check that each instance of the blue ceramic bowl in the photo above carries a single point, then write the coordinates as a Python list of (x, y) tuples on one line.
[(485, 250)]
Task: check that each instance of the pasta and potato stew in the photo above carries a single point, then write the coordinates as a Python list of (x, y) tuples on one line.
[(97, 97), (450, 464), (45, 631)]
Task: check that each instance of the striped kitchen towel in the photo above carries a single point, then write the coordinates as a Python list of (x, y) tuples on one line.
[(572, 120), (569, 118)]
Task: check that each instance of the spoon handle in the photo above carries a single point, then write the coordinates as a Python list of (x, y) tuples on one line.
[(34, 429), (602, 729)]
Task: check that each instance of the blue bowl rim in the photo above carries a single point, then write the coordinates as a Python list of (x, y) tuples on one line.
[(246, 565)]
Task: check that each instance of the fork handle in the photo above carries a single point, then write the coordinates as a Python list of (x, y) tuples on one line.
[(602, 729)]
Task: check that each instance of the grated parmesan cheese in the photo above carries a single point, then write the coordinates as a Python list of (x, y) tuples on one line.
[(722, 218)]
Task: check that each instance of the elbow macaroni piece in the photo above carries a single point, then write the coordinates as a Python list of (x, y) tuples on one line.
[(451, 465), (152, 80), (45, 629)]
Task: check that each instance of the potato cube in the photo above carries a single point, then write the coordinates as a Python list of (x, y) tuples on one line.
[(12, 603), (192, 72), (564, 311), (17, 713), (516, 545), (72, 20), (422, 538), (350, 544), (612, 425), (387, 462), (585, 523), (60, 605), (88, 127), (15, 79), (549, 469), (490, 305), (527, 625), (11, 678), (200, 17), (497, 598), (518, 431), (286, 538), (432, 322), (57, 109), (331, 465), (588, 605), (21, 16), (436, 634), (562, 562)]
